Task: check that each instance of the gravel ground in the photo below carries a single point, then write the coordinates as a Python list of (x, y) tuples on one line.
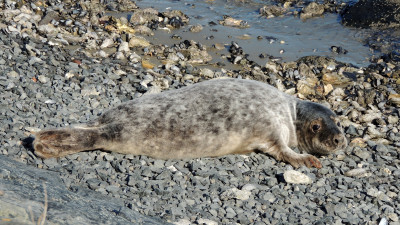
[(66, 67)]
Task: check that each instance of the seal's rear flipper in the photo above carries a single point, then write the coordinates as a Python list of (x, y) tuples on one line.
[(64, 141)]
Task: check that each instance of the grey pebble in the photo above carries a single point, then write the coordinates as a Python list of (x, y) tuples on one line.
[(112, 189)]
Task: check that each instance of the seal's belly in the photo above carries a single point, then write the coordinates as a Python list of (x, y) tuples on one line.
[(207, 147), (204, 146)]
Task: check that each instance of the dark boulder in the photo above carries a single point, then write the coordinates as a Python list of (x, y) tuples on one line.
[(379, 14)]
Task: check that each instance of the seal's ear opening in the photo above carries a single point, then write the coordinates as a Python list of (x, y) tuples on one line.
[(316, 125)]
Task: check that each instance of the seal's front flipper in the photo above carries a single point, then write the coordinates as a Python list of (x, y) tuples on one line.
[(64, 141), (303, 159), (286, 154)]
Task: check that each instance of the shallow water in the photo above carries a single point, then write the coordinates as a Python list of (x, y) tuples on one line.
[(295, 37)]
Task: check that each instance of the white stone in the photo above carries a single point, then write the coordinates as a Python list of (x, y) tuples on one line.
[(248, 187), (172, 168), (69, 75), (124, 47), (107, 43), (49, 101), (359, 172), (43, 79), (134, 57), (102, 54), (119, 56), (207, 72), (236, 193), (32, 129), (295, 177), (383, 221)]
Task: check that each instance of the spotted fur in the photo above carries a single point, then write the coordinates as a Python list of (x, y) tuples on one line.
[(208, 119)]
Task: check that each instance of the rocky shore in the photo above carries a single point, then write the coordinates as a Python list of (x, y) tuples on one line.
[(27, 193), (65, 62)]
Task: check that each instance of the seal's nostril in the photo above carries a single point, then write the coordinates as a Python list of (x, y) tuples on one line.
[(336, 141), (339, 140)]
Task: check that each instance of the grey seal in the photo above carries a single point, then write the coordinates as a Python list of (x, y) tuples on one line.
[(208, 119)]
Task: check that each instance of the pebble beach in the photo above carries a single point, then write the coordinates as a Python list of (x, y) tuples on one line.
[(65, 62)]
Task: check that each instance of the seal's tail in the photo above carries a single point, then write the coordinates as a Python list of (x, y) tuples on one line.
[(65, 141)]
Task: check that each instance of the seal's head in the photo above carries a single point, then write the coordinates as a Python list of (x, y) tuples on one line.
[(318, 129)]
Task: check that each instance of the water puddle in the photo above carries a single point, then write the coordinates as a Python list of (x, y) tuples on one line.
[(287, 37)]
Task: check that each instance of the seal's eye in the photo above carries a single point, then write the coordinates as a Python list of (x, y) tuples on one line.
[(316, 127), (338, 124)]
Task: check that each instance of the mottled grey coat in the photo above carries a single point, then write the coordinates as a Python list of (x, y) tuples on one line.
[(211, 118)]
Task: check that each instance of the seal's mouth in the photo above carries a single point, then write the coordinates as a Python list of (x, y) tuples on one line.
[(326, 147), (329, 146)]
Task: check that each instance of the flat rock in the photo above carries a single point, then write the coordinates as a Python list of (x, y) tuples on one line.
[(22, 186), (236, 194)]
